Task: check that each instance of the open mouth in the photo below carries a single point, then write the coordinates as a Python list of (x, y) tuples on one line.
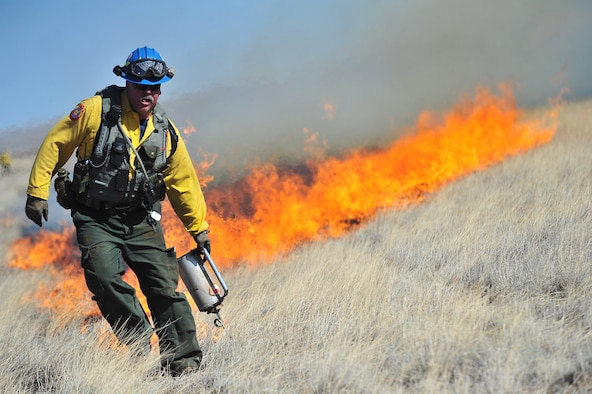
[(147, 100)]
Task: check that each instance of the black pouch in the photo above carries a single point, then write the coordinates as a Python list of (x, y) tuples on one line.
[(154, 190), (121, 180), (63, 188), (148, 154), (118, 152), (157, 182), (80, 177)]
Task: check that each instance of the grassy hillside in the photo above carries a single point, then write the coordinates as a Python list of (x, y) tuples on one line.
[(485, 287)]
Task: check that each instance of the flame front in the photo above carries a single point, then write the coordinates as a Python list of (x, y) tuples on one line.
[(276, 208)]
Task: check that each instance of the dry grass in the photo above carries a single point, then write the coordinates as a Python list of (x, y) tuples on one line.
[(486, 287)]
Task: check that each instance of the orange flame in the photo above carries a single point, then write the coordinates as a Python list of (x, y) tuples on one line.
[(312, 145), (190, 129), (275, 208)]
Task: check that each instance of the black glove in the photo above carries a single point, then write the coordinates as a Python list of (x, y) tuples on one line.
[(36, 208), (203, 241)]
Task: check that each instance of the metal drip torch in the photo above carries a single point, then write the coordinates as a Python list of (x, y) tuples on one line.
[(207, 292)]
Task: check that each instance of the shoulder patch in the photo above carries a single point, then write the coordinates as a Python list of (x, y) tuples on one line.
[(77, 112)]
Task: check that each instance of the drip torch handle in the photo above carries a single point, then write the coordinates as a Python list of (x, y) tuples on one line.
[(210, 261)]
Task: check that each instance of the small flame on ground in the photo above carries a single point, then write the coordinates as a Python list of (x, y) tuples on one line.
[(190, 129)]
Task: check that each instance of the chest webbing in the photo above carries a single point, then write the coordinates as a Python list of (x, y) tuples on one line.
[(110, 179)]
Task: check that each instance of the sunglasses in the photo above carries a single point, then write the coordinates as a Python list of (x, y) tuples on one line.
[(148, 68), (143, 88)]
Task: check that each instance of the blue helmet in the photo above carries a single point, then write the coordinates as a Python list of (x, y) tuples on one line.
[(145, 66)]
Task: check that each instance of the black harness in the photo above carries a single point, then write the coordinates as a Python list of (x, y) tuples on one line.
[(104, 180)]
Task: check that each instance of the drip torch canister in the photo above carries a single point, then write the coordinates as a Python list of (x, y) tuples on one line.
[(204, 289)]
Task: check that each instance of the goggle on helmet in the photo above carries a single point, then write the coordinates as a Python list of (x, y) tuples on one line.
[(145, 66)]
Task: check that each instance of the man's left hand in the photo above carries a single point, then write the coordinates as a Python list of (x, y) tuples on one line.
[(203, 241)]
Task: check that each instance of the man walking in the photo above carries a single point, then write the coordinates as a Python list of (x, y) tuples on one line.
[(129, 157)]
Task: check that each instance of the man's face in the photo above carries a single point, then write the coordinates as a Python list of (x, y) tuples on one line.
[(142, 98)]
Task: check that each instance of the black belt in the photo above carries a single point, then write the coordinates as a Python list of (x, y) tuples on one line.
[(99, 205), (123, 207)]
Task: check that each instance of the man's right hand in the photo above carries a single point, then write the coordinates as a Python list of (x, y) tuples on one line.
[(35, 209)]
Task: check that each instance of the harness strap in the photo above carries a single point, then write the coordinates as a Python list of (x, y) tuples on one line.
[(112, 112)]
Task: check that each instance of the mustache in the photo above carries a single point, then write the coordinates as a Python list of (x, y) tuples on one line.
[(148, 97)]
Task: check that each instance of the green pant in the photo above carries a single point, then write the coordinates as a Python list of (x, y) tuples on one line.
[(104, 238)]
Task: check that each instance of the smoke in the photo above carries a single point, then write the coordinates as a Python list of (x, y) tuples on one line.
[(377, 64), (391, 61)]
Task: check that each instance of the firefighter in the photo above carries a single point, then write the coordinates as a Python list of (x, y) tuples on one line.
[(129, 157), (5, 162)]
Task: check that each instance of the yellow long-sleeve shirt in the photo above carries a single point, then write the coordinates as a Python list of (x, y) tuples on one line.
[(78, 131)]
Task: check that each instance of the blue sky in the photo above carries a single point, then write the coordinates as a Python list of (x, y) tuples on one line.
[(251, 75), (65, 50)]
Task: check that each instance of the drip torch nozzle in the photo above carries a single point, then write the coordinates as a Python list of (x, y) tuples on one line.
[(218, 322)]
